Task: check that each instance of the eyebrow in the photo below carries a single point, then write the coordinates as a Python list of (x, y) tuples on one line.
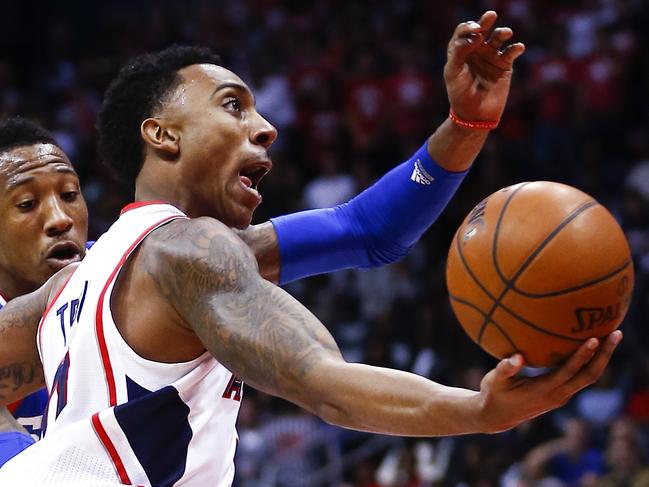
[(18, 181), (67, 169), (21, 180), (236, 86)]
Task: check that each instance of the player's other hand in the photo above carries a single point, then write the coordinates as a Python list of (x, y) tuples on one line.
[(478, 70), (506, 400)]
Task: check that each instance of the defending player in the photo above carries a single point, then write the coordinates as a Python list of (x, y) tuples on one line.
[(159, 289), (43, 227)]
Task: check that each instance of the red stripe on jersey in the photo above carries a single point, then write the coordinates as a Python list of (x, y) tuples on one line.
[(110, 448), (99, 325), (140, 204), (14, 405), (47, 311)]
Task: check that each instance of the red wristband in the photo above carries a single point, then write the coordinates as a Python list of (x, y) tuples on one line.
[(472, 124)]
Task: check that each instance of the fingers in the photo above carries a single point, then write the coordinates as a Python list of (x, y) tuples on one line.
[(575, 363), (469, 37), (466, 38), (509, 367), (499, 36), (511, 52), (487, 20), (594, 369), (585, 367)]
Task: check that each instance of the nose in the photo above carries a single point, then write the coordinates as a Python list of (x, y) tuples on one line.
[(56, 220), (264, 133)]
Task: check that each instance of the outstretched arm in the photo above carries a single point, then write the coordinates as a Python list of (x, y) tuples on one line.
[(271, 341), (381, 224)]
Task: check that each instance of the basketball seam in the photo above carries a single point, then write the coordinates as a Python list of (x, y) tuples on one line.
[(501, 216), (507, 309), (530, 258), (496, 324), (592, 282)]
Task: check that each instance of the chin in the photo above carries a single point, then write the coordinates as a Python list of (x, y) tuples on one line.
[(234, 215), (239, 220), (242, 217), (242, 224)]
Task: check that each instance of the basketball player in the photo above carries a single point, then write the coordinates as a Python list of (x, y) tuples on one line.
[(33, 210), (145, 343), (376, 228), (43, 227)]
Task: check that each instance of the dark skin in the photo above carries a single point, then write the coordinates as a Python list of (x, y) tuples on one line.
[(44, 224), (194, 285), (22, 372), (477, 76), (43, 228)]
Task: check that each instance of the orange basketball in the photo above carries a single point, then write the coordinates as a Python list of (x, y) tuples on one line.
[(537, 268)]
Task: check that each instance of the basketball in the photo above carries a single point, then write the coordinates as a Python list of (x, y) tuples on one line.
[(538, 268)]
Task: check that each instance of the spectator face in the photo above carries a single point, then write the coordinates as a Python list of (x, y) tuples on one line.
[(43, 216)]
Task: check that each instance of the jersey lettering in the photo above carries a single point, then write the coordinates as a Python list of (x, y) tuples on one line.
[(234, 387), (75, 306)]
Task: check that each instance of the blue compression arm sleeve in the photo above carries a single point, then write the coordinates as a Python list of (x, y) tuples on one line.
[(377, 227)]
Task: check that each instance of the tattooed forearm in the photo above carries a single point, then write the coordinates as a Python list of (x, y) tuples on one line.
[(16, 375), (271, 336), (254, 328), (262, 240), (20, 368), (24, 314)]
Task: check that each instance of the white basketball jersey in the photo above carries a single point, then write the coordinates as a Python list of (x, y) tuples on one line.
[(115, 418)]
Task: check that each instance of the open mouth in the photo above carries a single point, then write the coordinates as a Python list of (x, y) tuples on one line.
[(252, 174), (62, 254)]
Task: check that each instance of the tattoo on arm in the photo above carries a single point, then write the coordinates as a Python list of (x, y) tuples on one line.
[(251, 326), (20, 366), (262, 240), (17, 375)]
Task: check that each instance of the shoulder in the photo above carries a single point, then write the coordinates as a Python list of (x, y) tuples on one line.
[(54, 284), (26, 311), (197, 247), (196, 236)]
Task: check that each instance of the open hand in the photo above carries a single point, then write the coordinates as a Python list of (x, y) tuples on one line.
[(478, 70), (508, 400)]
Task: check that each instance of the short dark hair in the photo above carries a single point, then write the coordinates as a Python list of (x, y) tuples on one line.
[(140, 88), (18, 132)]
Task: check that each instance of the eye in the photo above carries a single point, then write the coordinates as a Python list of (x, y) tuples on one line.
[(26, 205), (233, 104), (69, 196)]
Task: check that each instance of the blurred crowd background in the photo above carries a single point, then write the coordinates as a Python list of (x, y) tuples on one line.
[(354, 87)]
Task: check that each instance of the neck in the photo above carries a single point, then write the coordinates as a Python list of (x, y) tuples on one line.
[(151, 187)]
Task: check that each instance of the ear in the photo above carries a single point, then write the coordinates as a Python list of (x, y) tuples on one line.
[(164, 140)]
